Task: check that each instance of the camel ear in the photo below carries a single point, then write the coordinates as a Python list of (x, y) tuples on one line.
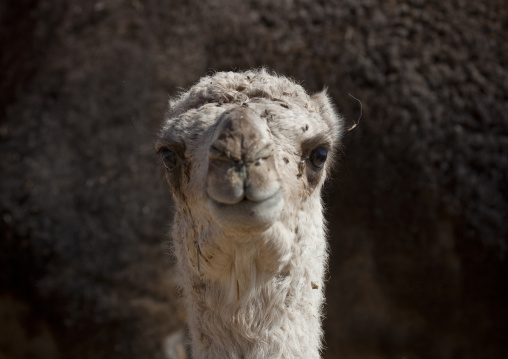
[(328, 113)]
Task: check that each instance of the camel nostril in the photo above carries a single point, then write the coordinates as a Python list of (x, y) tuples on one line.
[(261, 151)]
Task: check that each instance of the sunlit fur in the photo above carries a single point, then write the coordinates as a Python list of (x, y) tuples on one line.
[(253, 292)]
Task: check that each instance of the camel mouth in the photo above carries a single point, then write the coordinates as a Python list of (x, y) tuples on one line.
[(245, 202), (247, 214)]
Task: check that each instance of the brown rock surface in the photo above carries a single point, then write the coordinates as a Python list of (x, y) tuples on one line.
[(418, 207)]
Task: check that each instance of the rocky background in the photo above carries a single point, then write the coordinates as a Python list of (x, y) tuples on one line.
[(417, 208)]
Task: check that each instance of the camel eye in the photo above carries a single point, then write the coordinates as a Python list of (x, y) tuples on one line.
[(169, 158), (318, 157)]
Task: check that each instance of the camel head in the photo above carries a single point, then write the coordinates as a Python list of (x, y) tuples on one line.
[(245, 153)]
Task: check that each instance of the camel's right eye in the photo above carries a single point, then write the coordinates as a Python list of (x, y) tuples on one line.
[(170, 159)]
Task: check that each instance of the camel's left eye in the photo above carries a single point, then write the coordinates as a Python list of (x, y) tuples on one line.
[(170, 159), (318, 157)]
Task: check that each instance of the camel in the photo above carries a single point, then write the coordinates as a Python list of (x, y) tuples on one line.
[(245, 155)]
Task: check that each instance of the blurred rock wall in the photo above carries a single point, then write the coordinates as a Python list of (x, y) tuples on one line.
[(417, 208)]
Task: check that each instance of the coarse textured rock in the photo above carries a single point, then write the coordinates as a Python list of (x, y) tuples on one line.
[(417, 209)]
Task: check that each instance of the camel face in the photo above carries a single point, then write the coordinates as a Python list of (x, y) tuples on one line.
[(245, 166)]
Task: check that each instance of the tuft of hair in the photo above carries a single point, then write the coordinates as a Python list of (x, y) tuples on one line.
[(238, 87)]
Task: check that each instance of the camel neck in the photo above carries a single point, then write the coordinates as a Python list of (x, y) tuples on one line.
[(258, 298)]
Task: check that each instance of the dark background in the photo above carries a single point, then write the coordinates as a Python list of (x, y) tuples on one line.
[(417, 207)]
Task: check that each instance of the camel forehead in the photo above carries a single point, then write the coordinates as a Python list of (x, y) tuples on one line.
[(286, 121), (284, 104), (290, 117), (194, 122)]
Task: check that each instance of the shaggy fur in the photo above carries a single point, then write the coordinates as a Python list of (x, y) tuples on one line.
[(252, 278)]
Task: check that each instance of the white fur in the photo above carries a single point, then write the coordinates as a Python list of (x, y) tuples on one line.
[(256, 292)]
